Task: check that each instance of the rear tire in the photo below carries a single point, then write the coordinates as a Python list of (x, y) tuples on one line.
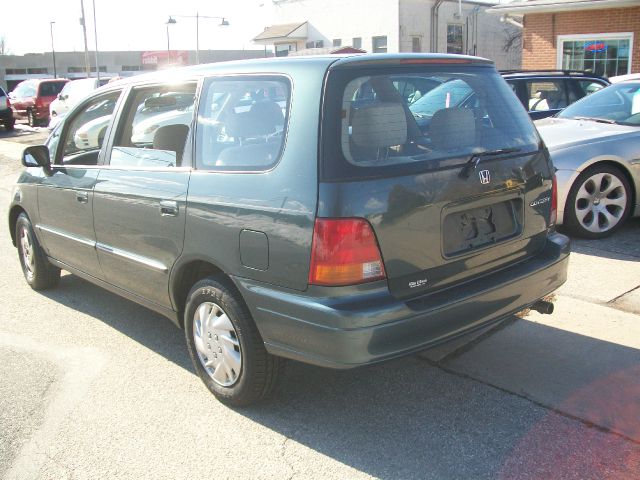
[(38, 272), (225, 346), (598, 203), (9, 125), (31, 119)]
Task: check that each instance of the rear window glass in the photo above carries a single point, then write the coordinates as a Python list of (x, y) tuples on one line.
[(51, 89), (241, 123), (469, 110)]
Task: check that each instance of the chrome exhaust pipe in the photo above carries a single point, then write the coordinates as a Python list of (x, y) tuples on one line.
[(542, 306)]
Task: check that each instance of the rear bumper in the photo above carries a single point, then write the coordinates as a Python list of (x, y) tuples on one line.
[(333, 328)]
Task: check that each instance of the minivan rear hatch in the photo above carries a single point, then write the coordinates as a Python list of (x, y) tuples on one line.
[(454, 181)]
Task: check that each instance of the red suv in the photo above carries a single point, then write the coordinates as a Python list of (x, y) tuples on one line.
[(31, 99)]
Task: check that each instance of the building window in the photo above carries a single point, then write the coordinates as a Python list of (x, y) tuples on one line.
[(416, 44), (36, 71), (310, 44), (379, 44), (605, 55), (356, 42), (337, 42), (131, 68), (455, 38), (16, 71), (283, 49), (319, 43)]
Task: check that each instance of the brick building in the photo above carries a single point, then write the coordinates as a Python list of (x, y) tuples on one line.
[(601, 36)]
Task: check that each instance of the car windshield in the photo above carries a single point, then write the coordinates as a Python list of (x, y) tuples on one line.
[(619, 103)]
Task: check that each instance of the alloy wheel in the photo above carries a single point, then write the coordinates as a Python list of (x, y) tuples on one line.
[(600, 202)]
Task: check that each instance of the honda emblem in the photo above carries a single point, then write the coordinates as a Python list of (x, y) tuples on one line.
[(485, 176)]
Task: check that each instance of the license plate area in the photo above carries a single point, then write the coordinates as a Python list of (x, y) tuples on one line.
[(469, 228)]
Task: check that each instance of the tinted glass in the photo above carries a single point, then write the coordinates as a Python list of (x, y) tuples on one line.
[(155, 127), (86, 130), (241, 123), (51, 89), (473, 110), (617, 103)]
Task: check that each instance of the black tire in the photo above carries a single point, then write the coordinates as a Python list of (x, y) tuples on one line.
[(31, 118), (9, 125), (259, 371), (37, 270), (605, 223)]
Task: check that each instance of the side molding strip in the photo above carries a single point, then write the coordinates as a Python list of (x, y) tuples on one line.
[(147, 262)]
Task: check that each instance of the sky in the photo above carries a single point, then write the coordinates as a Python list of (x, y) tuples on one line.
[(132, 24)]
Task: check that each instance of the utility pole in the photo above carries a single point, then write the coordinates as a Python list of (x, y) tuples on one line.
[(84, 32), (53, 51), (95, 36)]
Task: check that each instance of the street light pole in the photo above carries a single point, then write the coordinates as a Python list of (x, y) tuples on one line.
[(223, 23), (197, 38), (53, 51)]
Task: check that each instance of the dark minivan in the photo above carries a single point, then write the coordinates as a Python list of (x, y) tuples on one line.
[(280, 216)]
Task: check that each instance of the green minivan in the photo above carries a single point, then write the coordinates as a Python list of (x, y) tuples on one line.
[(299, 208)]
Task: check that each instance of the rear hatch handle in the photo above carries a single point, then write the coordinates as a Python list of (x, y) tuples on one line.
[(476, 158)]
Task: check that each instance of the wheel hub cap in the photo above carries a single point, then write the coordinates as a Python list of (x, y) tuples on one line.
[(27, 251), (600, 202), (217, 344)]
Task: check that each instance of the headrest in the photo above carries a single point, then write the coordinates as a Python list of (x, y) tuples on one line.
[(171, 137), (453, 128), (379, 125), (262, 119)]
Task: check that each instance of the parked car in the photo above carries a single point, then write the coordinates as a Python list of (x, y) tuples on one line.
[(31, 98), (545, 92), (595, 145), (6, 114), (72, 93), (288, 220)]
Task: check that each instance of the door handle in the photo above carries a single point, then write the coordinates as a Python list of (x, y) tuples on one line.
[(169, 208), (82, 197)]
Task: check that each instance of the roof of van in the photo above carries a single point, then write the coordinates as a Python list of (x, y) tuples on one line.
[(275, 64)]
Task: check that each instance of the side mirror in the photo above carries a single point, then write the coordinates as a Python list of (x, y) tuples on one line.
[(36, 156)]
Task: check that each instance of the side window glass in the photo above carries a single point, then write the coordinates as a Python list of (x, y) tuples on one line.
[(546, 95), (84, 133), (241, 123), (155, 127), (589, 87)]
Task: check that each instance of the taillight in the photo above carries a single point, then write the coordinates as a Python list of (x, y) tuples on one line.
[(344, 252), (554, 202), (39, 103)]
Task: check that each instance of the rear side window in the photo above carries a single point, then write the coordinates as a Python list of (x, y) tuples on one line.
[(51, 89), (241, 123), (154, 128), (471, 110), (546, 95)]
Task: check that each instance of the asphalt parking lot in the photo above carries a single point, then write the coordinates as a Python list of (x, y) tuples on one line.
[(94, 386)]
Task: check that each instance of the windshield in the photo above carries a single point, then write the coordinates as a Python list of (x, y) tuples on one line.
[(619, 103), (472, 111)]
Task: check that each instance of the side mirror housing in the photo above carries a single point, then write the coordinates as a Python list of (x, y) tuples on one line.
[(36, 156)]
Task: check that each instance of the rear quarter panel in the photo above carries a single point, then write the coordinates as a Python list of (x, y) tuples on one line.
[(280, 202)]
